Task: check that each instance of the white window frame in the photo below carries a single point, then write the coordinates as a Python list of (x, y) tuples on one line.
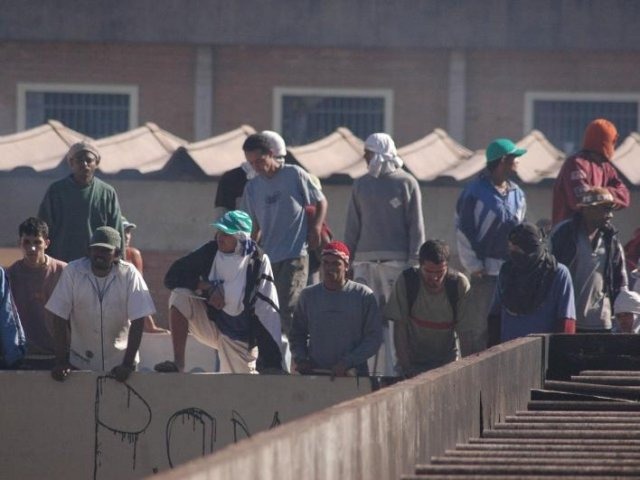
[(386, 94), (24, 87), (531, 97)]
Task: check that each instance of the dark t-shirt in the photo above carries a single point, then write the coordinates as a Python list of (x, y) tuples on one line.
[(230, 188)]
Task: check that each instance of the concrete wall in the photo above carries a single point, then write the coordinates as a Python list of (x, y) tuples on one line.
[(94, 427), (384, 435), (176, 215), (173, 217)]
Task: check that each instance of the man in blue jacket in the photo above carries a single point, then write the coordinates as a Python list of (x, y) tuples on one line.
[(12, 341), (487, 210)]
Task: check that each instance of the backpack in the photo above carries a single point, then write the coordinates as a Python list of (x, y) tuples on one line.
[(412, 281)]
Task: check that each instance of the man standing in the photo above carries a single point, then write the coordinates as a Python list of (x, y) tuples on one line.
[(75, 206), (103, 302), (426, 306), (336, 324), (535, 292), (231, 186), (384, 229), (487, 210), (590, 167), (33, 279), (224, 292), (588, 244), (276, 201)]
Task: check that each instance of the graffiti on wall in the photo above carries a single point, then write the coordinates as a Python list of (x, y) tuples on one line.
[(123, 417)]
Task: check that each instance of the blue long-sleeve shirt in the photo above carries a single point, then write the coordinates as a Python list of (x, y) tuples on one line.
[(484, 218), (12, 340)]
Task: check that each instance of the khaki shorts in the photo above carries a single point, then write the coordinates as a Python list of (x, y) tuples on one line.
[(234, 355)]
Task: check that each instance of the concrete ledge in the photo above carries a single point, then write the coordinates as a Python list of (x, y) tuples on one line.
[(384, 434)]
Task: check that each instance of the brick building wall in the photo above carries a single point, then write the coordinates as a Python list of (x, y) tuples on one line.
[(164, 74)]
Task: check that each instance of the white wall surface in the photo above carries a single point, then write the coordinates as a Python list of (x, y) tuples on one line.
[(91, 426)]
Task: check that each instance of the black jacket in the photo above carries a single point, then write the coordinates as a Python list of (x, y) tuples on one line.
[(564, 240), (187, 271)]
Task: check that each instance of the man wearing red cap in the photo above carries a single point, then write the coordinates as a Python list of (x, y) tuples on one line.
[(590, 167), (336, 323)]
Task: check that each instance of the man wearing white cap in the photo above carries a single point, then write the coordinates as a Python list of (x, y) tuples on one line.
[(230, 190), (276, 199), (103, 302), (224, 293), (384, 230)]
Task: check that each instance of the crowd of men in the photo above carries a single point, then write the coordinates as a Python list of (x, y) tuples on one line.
[(386, 302)]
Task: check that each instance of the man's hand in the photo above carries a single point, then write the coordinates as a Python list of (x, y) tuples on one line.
[(625, 321), (121, 372), (216, 299), (339, 370), (314, 237), (60, 372), (151, 327), (478, 274), (409, 372), (304, 367)]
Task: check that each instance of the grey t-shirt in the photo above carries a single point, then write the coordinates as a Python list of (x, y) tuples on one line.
[(277, 204), (593, 306)]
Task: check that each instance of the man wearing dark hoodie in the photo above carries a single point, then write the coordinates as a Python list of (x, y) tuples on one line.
[(588, 168)]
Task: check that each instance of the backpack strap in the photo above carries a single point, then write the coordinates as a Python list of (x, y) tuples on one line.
[(253, 271), (451, 289), (412, 285)]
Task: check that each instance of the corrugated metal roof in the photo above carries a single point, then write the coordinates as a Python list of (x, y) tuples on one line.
[(149, 149), (41, 148), (146, 149), (223, 152), (627, 158), (433, 154), (338, 153), (542, 160)]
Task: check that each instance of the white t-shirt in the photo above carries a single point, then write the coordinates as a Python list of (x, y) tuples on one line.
[(99, 327)]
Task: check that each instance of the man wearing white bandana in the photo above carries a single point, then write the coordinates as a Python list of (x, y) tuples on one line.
[(384, 230), (277, 199), (224, 293), (230, 193)]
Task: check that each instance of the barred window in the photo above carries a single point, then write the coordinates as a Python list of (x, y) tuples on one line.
[(563, 120), (98, 113), (304, 116)]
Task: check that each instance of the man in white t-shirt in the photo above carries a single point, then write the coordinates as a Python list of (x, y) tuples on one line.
[(103, 301)]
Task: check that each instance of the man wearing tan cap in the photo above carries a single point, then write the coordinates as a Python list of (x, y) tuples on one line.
[(78, 204), (589, 246)]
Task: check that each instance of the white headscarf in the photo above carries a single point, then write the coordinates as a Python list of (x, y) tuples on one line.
[(385, 159)]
